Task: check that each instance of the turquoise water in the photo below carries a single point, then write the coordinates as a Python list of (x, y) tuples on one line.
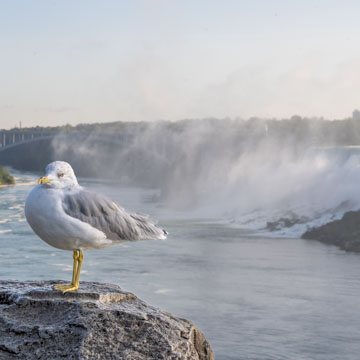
[(253, 297)]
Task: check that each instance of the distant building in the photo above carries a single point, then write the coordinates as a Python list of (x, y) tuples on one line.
[(356, 114)]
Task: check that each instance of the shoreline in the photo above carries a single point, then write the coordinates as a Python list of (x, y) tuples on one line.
[(19, 184)]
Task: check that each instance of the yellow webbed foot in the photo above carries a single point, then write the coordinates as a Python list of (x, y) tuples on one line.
[(66, 288)]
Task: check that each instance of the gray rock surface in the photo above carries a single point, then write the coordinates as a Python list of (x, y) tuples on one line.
[(99, 321), (344, 233)]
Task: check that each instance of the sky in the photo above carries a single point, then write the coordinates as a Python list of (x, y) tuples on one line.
[(70, 62)]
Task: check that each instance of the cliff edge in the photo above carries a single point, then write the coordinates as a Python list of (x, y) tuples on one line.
[(99, 321)]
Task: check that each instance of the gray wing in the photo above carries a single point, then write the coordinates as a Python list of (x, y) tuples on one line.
[(105, 215)]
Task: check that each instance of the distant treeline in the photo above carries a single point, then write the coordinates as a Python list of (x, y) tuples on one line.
[(298, 130)]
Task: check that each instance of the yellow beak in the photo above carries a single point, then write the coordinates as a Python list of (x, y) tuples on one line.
[(44, 180)]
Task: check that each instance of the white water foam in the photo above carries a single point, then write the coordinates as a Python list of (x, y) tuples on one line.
[(287, 197), (332, 191)]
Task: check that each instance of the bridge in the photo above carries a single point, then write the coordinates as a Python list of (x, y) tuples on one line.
[(11, 138)]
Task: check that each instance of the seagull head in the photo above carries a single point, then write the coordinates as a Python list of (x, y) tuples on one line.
[(59, 175)]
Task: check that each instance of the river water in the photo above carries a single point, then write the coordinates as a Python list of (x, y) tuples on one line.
[(254, 297)]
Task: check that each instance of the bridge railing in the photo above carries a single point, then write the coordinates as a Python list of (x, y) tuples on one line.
[(8, 138)]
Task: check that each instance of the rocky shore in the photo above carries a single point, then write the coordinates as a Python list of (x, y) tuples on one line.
[(344, 233), (99, 321)]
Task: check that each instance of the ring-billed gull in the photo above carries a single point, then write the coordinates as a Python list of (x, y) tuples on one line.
[(68, 217)]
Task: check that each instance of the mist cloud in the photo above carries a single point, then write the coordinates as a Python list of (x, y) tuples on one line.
[(225, 168)]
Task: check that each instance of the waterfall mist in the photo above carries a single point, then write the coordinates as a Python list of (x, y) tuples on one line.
[(250, 172)]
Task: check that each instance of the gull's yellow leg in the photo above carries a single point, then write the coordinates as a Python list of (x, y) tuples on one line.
[(76, 257), (80, 261), (75, 285), (76, 274)]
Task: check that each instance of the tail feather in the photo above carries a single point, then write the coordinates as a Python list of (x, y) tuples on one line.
[(148, 228)]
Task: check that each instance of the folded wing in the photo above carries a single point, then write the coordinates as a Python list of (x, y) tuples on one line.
[(105, 215)]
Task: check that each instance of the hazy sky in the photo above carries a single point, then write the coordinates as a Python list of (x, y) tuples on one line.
[(72, 61)]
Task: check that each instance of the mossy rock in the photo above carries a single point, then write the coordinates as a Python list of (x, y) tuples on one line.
[(5, 177)]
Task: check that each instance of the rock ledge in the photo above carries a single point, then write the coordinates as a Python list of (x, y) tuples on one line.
[(99, 321)]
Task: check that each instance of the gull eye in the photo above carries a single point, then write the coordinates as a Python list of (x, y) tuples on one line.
[(60, 175)]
